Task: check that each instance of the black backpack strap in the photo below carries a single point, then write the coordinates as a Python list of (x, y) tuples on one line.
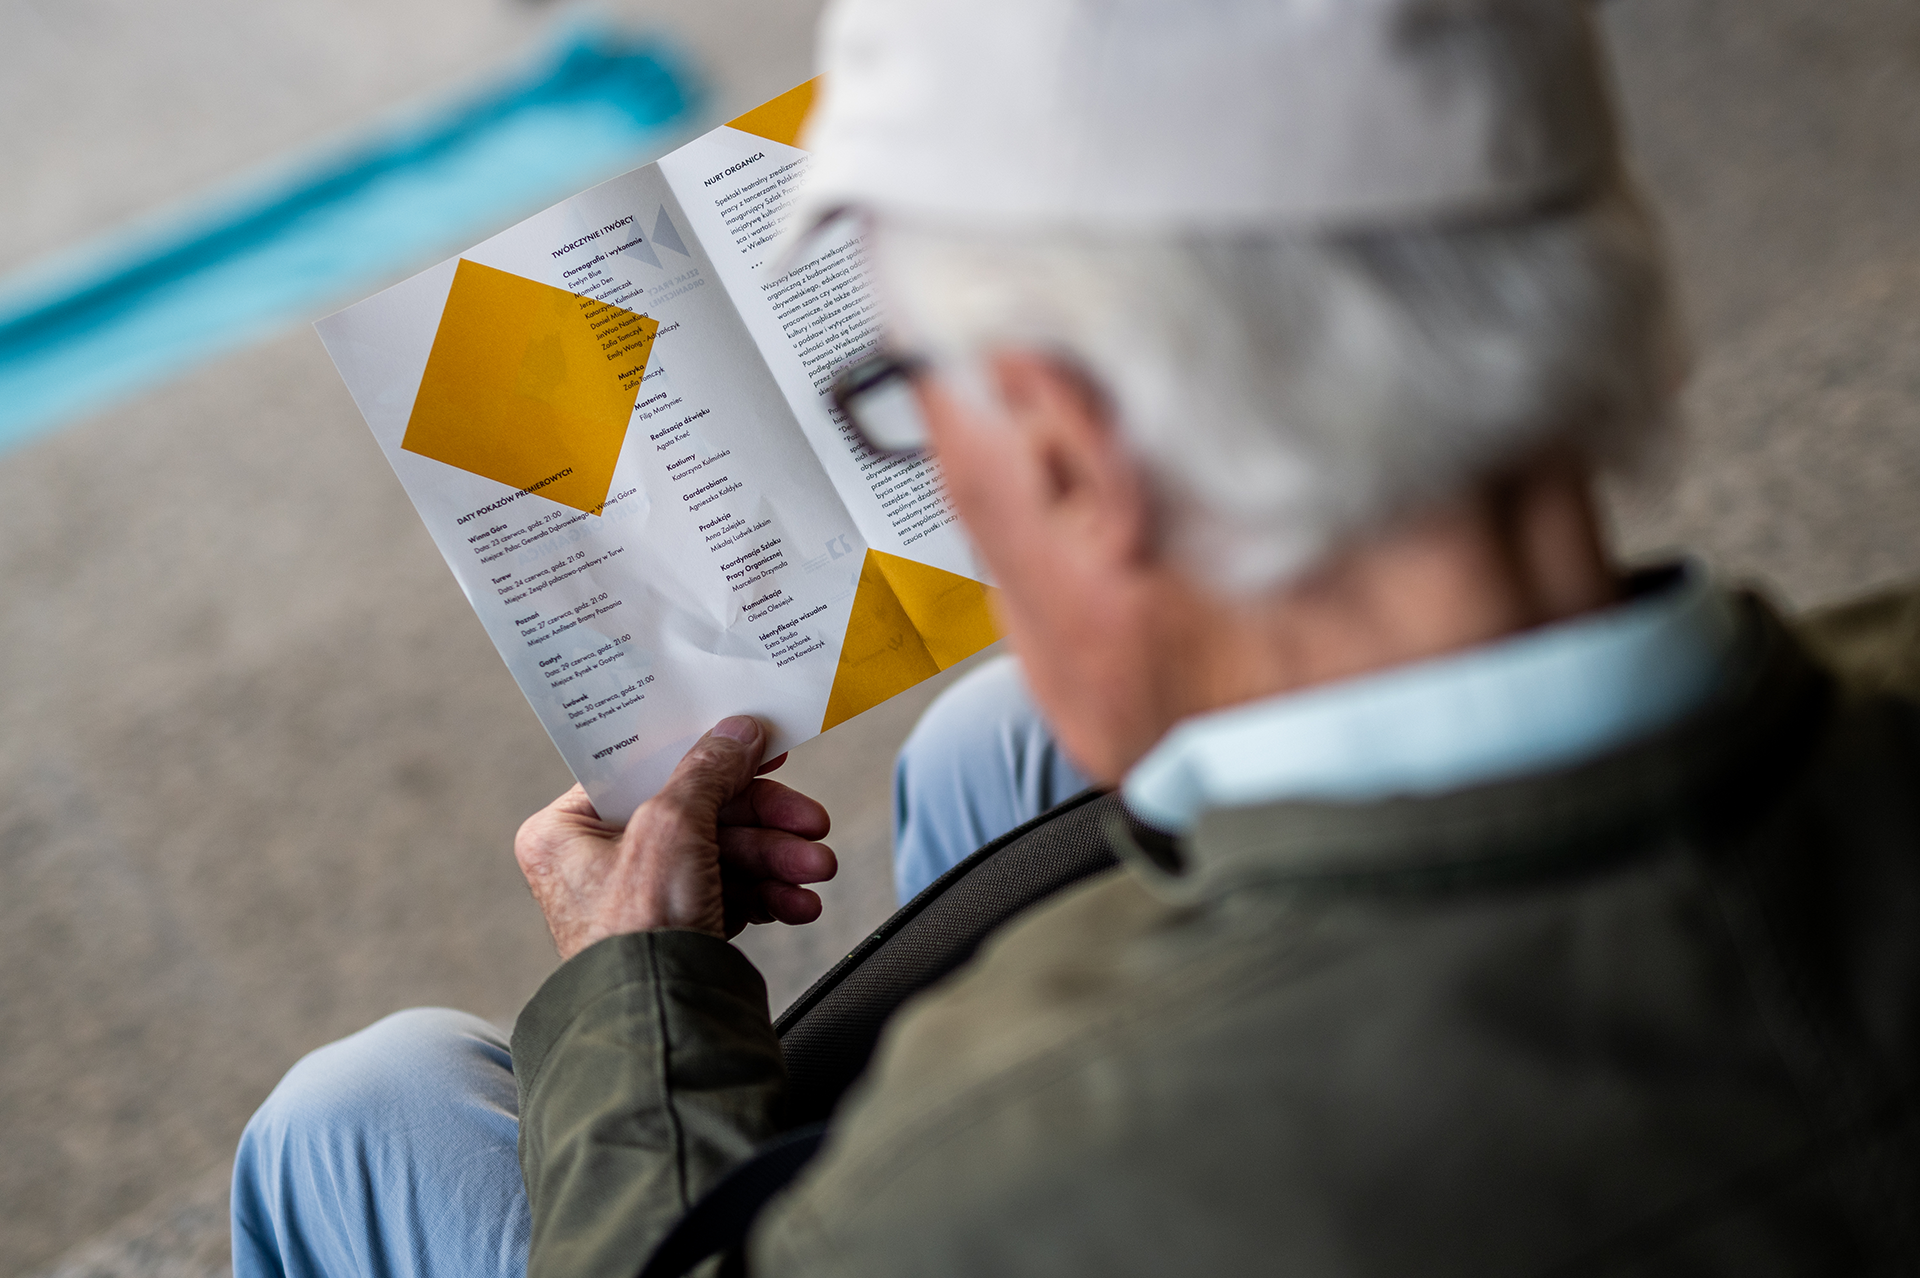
[(720, 1220), (829, 1032)]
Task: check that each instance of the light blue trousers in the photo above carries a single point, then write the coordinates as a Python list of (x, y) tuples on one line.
[(979, 762), (393, 1151)]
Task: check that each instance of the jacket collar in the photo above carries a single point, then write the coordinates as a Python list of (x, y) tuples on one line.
[(1754, 728), (1550, 697)]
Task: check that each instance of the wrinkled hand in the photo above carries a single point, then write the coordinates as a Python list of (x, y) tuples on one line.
[(715, 850)]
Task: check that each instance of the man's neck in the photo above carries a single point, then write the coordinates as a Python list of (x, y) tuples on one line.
[(1517, 553)]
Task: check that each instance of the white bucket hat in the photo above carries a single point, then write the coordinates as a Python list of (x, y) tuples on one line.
[(1216, 115)]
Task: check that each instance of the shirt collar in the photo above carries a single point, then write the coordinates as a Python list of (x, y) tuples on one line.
[(1551, 697)]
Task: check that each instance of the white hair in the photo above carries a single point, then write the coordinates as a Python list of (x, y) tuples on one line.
[(1285, 392)]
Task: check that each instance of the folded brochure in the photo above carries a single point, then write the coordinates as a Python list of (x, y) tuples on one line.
[(613, 419)]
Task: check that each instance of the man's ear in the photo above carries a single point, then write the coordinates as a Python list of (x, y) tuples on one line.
[(1092, 483)]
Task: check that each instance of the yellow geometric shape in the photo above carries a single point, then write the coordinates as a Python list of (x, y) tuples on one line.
[(953, 614), (530, 386), (910, 621), (781, 119)]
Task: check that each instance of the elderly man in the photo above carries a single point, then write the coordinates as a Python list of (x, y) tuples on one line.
[(1487, 910)]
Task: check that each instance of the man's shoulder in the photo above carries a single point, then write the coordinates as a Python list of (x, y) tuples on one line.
[(1062, 979), (1036, 1108)]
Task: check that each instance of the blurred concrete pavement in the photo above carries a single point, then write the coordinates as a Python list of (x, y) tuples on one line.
[(261, 769)]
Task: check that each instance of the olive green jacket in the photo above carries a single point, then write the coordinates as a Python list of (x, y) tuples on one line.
[(1655, 1014)]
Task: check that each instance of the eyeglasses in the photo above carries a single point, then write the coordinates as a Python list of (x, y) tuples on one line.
[(875, 393)]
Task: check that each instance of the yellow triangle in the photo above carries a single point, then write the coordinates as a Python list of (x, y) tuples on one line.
[(910, 621), (530, 386), (781, 119), (951, 612)]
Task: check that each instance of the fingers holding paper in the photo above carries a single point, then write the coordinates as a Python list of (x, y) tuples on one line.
[(714, 850), (767, 850)]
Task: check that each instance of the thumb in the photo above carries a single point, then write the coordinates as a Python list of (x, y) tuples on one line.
[(719, 766)]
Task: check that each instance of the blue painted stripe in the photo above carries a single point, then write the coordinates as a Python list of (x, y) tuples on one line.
[(104, 320)]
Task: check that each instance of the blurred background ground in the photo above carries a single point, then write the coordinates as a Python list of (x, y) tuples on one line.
[(260, 769)]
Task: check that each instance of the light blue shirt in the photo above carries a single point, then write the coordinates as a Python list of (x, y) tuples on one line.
[(1547, 698)]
